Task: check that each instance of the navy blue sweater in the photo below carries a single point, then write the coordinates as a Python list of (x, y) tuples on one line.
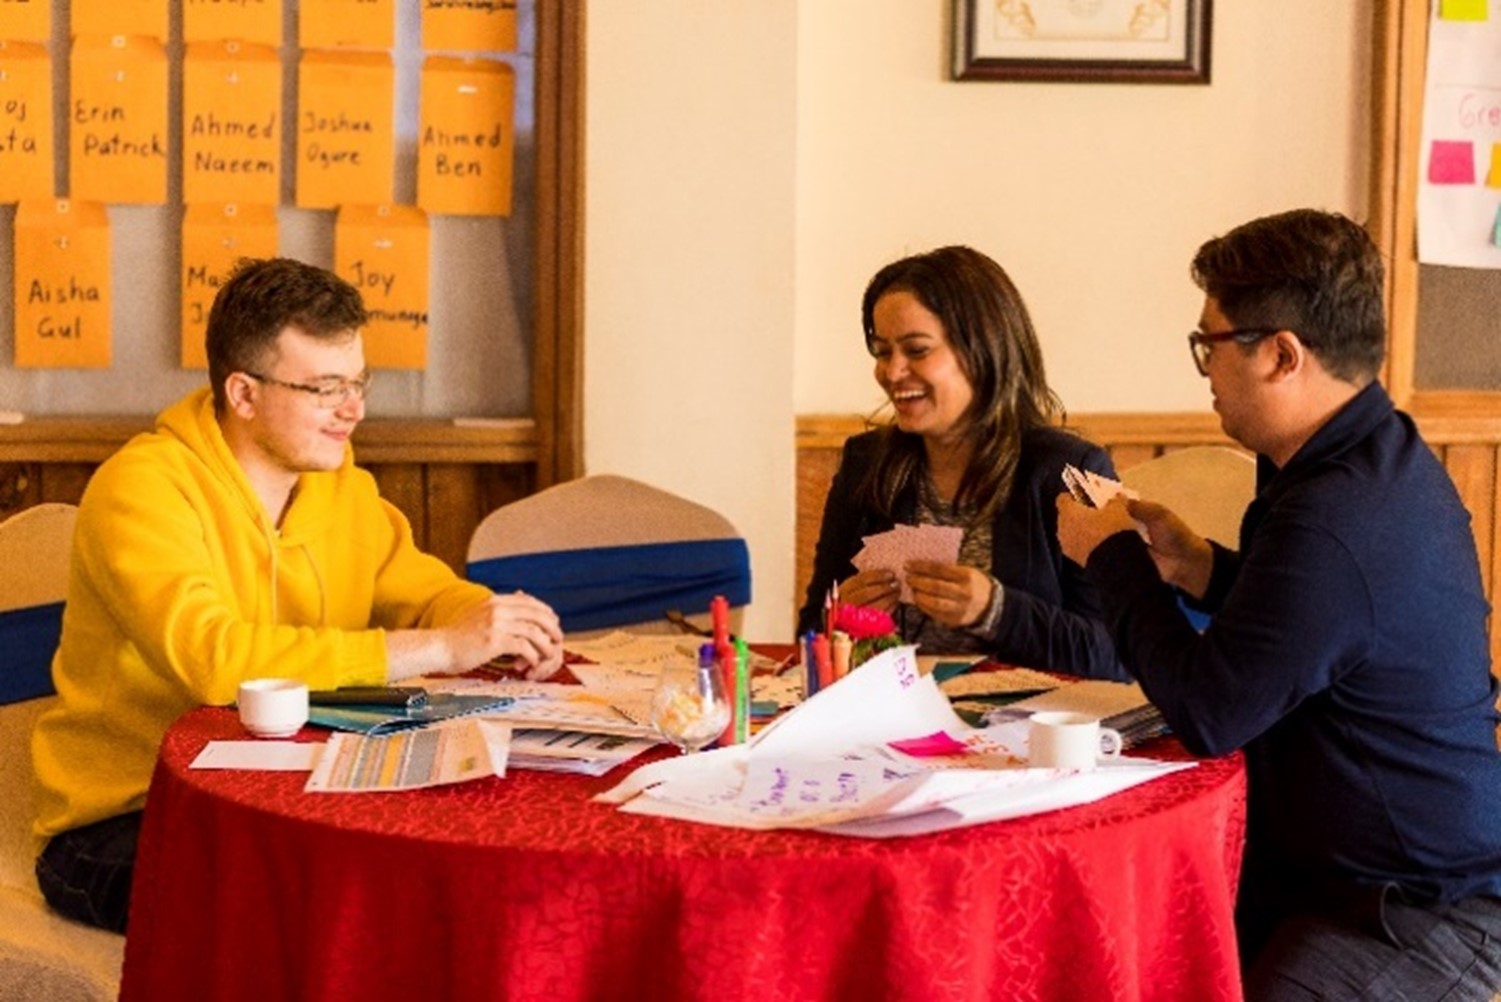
[(1348, 656), (1050, 616)]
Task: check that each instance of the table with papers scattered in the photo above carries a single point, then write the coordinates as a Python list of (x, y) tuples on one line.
[(570, 886)]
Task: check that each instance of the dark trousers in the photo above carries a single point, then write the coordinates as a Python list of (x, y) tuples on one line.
[(1377, 947), (85, 873)]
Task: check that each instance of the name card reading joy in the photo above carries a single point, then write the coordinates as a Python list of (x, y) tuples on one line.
[(25, 122), (466, 138), (382, 250), (26, 20), (214, 238), (345, 135), (231, 130), (117, 120), (62, 285)]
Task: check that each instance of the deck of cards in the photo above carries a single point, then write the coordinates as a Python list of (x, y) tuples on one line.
[(891, 550)]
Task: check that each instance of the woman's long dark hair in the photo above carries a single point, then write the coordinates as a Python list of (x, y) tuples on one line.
[(987, 324)]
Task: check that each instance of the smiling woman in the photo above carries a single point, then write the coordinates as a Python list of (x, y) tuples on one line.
[(972, 445)]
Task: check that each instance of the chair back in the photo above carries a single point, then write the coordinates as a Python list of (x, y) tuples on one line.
[(611, 552), (1208, 486)]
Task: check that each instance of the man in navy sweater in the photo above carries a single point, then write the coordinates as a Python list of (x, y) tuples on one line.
[(1347, 654)]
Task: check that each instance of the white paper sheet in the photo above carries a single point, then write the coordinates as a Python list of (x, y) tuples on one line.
[(277, 756)]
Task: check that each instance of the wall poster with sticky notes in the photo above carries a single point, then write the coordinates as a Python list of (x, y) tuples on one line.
[(231, 124), (62, 284), (466, 136), (346, 141), (26, 153), (382, 250), (117, 120), (214, 239), (1459, 197)]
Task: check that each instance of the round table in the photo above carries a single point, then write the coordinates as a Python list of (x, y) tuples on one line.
[(523, 888)]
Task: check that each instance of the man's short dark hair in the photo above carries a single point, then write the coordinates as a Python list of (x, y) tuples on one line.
[(1317, 274), (264, 297)]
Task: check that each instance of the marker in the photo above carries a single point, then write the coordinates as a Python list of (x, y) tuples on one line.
[(842, 648), (824, 661), (810, 665), (742, 691), (719, 612)]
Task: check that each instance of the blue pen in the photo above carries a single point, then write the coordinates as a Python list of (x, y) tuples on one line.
[(810, 665)]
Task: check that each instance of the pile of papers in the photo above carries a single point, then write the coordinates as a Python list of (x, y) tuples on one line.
[(879, 753)]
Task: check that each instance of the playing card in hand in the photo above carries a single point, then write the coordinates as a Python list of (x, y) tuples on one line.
[(891, 550)]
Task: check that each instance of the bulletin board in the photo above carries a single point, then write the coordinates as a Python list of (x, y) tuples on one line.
[(479, 349)]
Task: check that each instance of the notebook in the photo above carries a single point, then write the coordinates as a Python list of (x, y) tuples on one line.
[(379, 720)]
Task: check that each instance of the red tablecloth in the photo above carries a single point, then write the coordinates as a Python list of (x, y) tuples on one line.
[(522, 888)]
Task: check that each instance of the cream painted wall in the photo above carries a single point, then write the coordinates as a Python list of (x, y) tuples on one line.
[(750, 163)]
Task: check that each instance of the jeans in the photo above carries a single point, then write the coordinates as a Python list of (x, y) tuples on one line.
[(85, 872), (1383, 948)]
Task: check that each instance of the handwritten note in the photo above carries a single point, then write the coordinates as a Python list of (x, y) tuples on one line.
[(472, 25), (62, 293), (117, 120), (345, 133), (383, 251), (26, 162), (231, 129), (466, 137), (214, 238), (26, 21)]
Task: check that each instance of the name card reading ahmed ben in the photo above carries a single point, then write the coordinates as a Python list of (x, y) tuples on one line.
[(466, 136)]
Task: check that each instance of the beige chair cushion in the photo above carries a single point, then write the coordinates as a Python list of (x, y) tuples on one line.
[(1207, 486)]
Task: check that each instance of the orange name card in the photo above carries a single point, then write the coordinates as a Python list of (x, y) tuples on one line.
[(26, 162), (117, 120), (382, 251), (346, 142), (469, 25), (26, 20), (62, 285), (214, 239), (231, 124), (466, 137), (255, 21), (118, 17), (346, 24)]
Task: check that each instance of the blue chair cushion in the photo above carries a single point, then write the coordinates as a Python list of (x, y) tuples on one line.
[(606, 586), (30, 639)]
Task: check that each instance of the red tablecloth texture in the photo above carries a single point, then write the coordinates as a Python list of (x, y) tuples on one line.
[(523, 888)]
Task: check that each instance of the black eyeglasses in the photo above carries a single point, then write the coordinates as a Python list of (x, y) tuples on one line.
[(329, 394), (1200, 344)]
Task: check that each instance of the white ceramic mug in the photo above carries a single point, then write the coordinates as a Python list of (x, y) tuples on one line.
[(1061, 740), (273, 707)]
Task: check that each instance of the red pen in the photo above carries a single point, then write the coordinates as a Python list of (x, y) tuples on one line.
[(825, 663), (719, 612)]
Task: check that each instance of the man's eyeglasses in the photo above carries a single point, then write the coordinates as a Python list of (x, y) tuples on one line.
[(1201, 344), (329, 394)]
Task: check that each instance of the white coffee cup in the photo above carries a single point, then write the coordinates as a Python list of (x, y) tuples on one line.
[(1062, 740), (273, 707)]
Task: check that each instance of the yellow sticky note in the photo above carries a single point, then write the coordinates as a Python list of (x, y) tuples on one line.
[(1493, 176), (117, 120), (382, 250), (26, 20), (231, 124), (466, 26), (118, 17), (346, 24), (214, 239), (1463, 10), (62, 293), (465, 136), (254, 21), (346, 141), (26, 161)]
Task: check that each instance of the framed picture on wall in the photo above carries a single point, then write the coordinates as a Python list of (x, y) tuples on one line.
[(1106, 41)]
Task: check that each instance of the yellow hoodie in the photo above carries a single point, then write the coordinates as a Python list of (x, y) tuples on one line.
[(180, 588)]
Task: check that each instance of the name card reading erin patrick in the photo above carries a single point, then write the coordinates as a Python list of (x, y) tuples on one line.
[(346, 24), (346, 141), (62, 296), (382, 250), (25, 121), (252, 21), (466, 137), (469, 25), (117, 17), (214, 238), (231, 124), (117, 120), (26, 20)]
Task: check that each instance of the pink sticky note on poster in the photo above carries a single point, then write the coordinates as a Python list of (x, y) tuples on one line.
[(1451, 162), (937, 743), (1463, 10)]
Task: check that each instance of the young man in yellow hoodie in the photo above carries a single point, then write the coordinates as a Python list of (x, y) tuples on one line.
[(239, 540)]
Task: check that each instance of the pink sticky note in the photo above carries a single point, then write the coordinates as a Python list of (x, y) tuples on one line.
[(1463, 10), (1451, 162), (937, 743)]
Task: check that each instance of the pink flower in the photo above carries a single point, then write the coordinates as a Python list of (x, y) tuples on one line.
[(862, 622)]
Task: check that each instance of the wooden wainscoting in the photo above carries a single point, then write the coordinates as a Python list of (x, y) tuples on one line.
[(1467, 442)]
